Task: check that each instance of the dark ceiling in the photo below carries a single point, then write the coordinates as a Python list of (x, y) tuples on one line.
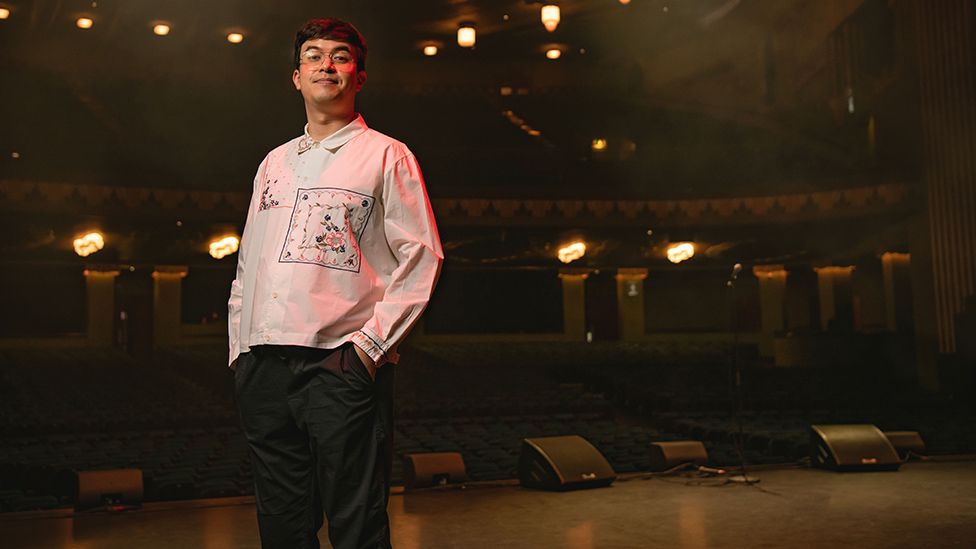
[(681, 91)]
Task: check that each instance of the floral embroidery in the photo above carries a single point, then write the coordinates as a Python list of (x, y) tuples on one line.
[(325, 228), (267, 199)]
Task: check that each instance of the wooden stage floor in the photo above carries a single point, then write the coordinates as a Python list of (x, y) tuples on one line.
[(923, 505)]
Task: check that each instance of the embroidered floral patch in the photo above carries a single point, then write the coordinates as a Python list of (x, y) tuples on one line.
[(325, 228), (268, 200)]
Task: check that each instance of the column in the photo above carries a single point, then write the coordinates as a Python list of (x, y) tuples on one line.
[(167, 303), (772, 303), (100, 289), (630, 303), (836, 299), (897, 275), (574, 303)]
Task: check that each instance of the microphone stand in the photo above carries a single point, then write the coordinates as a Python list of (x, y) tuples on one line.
[(735, 378)]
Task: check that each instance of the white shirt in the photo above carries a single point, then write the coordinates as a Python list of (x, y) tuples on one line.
[(339, 245)]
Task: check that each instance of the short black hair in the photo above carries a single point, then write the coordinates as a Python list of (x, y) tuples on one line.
[(331, 29)]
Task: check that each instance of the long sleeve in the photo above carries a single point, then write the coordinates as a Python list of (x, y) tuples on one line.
[(234, 304), (411, 234)]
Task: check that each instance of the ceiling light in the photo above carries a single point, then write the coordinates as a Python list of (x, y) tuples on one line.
[(466, 35), (4, 13), (430, 51), (15, 155), (235, 38), (89, 244), (553, 53), (571, 252), (222, 247), (681, 251), (550, 16), (161, 29), (534, 133), (599, 144), (84, 23), (625, 2)]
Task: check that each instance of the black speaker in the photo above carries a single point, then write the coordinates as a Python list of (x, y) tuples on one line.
[(429, 469), (667, 455), (563, 463), (906, 442), (859, 447), (114, 488)]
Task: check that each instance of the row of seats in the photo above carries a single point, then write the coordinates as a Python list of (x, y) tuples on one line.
[(174, 418)]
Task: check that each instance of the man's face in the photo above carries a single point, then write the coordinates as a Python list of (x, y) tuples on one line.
[(327, 73)]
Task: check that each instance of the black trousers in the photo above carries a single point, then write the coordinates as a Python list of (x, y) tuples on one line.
[(320, 434)]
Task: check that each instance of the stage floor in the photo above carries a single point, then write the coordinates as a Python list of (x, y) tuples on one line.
[(923, 505)]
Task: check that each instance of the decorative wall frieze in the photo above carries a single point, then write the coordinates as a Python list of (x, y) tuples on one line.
[(698, 212), (101, 199)]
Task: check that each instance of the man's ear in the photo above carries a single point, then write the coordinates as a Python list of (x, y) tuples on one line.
[(296, 79), (360, 80)]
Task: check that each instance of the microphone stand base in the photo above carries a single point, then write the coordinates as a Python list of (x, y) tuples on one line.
[(743, 479)]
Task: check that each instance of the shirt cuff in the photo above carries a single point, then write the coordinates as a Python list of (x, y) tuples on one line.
[(370, 347)]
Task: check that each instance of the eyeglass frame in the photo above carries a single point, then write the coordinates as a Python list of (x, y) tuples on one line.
[(330, 56)]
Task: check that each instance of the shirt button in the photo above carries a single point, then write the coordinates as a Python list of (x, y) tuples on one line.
[(267, 338), (274, 295)]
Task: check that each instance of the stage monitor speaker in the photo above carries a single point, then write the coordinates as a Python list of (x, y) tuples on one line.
[(906, 442), (563, 463), (112, 488), (858, 447), (667, 455), (433, 468)]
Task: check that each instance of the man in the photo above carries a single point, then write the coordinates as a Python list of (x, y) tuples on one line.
[(339, 256)]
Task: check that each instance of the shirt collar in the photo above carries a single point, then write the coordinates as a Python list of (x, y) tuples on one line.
[(336, 140)]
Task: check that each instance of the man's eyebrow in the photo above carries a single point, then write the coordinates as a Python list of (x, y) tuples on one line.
[(337, 48)]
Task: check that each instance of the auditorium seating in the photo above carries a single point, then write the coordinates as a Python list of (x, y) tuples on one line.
[(64, 410)]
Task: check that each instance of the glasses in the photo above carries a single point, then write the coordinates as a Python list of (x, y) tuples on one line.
[(316, 58)]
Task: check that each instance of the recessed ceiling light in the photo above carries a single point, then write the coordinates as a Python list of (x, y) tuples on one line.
[(550, 16), (84, 23), (161, 29), (553, 53), (15, 155), (4, 13), (466, 35), (625, 2), (599, 144), (235, 38), (430, 50)]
